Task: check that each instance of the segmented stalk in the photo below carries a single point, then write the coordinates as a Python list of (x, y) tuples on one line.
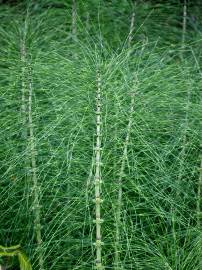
[(23, 106), (130, 36), (199, 191), (28, 136), (24, 110), (199, 188), (74, 20), (199, 195), (184, 24), (98, 180), (87, 22), (120, 183), (184, 139), (198, 207), (131, 30), (123, 161), (36, 189)]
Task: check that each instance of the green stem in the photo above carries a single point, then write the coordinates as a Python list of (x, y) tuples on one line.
[(74, 20), (36, 189), (130, 36), (23, 60), (184, 26), (199, 194), (120, 184), (184, 138), (98, 179)]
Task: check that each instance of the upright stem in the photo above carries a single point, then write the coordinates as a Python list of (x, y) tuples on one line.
[(120, 184), (199, 194), (36, 189), (87, 21), (24, 109), (130, 36), (184, 24), (98, 179), (23, 60), (29, 138), (74, 19), (199, 188), (199, 207), (184, 138)]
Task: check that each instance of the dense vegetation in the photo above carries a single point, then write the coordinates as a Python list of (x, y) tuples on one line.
[(101, 107)]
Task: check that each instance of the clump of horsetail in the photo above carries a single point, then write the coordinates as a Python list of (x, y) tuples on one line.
[(98, 180)]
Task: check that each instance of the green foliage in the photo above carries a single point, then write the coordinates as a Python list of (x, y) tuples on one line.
[(161, 202)]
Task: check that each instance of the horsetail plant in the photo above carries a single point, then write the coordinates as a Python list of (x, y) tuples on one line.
[(118, 264), (98, 180)]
